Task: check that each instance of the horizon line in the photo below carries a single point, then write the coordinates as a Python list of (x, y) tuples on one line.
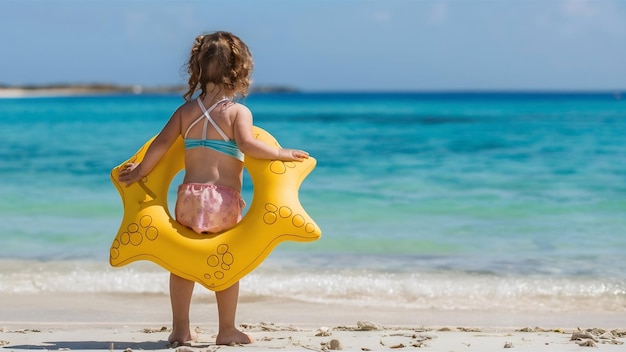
[(285, 87)]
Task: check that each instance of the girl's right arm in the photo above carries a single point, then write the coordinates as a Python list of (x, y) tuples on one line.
[(133, 172), (255, 148)]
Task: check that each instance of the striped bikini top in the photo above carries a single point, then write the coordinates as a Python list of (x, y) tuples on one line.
[(227, 146)]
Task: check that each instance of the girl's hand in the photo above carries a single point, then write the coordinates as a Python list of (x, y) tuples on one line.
[(292, 155), (129, 174)]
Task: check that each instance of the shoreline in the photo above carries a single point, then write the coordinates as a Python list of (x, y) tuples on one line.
[(141, 321), (279, 279), (73, 91), (125, 308), (104, 89), (108, 89)]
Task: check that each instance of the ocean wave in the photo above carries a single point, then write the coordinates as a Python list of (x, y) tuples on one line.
[(351, 287)]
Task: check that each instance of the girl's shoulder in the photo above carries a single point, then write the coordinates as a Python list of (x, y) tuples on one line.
[(187, 107), (231, 108), (239, 108)]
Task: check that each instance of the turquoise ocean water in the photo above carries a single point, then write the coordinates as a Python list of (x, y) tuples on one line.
[(447, 201)]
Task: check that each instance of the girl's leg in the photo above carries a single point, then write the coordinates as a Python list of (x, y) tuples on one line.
[(180, 297), (226, 309)]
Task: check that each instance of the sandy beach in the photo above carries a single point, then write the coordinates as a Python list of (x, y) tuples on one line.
[(47, 92), (103, 322)]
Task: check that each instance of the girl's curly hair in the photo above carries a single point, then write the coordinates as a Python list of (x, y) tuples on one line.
[(220, 58)]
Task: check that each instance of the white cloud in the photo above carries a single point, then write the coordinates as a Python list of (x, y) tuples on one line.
[(579, 16), (382, 16), (578, 8), (438, 13)]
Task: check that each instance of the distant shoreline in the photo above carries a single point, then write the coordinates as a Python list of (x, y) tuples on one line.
[(51, 90), (59, 90)]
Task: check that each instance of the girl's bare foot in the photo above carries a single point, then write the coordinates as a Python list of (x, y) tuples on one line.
[(182, 337), (233, 337)]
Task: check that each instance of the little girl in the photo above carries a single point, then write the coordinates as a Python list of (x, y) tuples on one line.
[(217, 132)]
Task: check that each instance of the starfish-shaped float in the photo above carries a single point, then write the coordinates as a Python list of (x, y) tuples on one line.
[(148, 231)]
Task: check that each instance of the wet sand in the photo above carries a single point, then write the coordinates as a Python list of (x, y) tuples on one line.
[(104, 322)]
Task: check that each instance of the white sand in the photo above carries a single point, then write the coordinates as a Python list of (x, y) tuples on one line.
[(51, 92), (100, 322)]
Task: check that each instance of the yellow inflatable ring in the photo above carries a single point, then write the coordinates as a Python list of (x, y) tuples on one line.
[(148, 231)]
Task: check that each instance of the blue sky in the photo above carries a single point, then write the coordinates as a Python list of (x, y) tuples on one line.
[(337, 45)]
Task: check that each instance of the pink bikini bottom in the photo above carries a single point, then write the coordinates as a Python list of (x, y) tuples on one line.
[(207, 208)]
